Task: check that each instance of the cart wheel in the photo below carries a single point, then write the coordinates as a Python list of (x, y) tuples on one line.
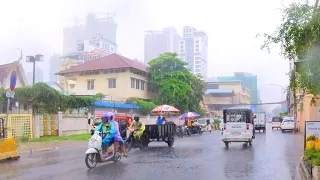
[(128, 144), (227, 144), (170, 140)]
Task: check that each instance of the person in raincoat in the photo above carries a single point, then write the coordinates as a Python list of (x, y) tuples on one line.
[(138, 127), (108, 132), (118, 141), (159, 120)]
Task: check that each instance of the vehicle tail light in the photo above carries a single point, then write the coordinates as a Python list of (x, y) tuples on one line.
[(247, 126), (224, 127)]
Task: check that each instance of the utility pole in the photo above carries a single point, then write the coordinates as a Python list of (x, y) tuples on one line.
[(34, 59)]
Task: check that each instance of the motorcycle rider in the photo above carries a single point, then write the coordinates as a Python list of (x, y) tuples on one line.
[(108, 132), (118, 141), (138, 127)]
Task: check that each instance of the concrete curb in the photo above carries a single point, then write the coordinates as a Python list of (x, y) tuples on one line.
[(39, 150), (303, 172)]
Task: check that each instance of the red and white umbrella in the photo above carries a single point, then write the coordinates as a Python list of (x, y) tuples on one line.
[(165, 109)]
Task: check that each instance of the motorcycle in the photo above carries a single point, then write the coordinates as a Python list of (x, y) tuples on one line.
[(94, 152), (131, 142)]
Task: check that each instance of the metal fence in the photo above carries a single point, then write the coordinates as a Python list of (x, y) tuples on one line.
[(3, 133)]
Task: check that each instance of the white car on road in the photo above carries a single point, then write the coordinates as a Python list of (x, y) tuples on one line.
[(288, 124)]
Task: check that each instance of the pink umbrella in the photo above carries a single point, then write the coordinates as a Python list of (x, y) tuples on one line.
[(165, 109)]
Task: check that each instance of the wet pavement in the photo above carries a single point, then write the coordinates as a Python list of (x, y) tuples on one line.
[(273, 156)]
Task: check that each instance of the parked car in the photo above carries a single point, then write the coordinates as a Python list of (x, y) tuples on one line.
[(287, 124)]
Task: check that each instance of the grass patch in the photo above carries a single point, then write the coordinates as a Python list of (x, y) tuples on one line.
[(75, 137)]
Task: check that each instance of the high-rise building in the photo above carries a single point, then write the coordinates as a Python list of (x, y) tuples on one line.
[(194, 50), (158, 42), (106, 27), (54, 68), (38, 76), (249, 80)]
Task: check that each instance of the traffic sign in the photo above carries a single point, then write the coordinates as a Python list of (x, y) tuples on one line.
[(13, 80), (10, 94)]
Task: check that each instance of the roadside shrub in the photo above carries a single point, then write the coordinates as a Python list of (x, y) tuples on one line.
[(311, 138), (312, 156)]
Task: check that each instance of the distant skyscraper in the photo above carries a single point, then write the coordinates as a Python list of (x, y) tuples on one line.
[(54, 68), (158, 42), (38, 76), (194, 50), (93, 26)]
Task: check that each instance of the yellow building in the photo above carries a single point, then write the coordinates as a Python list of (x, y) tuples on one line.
[(66, 64), (116, 76), (224, 94)]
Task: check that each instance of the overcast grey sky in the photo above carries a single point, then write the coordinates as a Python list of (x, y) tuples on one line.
[(36, 27)]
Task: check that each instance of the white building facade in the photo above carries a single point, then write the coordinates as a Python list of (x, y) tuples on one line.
[(194, 50)]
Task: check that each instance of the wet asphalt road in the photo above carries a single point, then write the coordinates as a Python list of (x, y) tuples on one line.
[(273, 156)]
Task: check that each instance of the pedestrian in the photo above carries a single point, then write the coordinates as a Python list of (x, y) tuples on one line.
[(159, 120)]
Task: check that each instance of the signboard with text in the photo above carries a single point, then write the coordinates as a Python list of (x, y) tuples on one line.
[(311, 128)]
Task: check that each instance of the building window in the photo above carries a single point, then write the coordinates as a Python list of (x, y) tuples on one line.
[(198, 66), (90, 84), (137, 84), (142, 85), (133, 82), (112, 83), (25, 107), (71, 86)]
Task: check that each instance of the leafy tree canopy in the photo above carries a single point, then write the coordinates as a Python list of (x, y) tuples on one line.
[(298, 36), (146, 106), (44, 99), (177, 85)]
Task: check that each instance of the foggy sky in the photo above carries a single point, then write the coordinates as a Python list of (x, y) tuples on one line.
[(36, 27)]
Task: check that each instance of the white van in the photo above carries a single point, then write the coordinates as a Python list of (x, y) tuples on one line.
[(238, 125), (276, 122)]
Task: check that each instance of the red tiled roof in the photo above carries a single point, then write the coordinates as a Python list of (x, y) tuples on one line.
[(108, 62), (5, 69)]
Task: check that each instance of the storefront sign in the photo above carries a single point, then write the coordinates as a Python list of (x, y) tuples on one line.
[(311, 128)]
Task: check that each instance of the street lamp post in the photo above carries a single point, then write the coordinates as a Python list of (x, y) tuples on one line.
[(283, 89), (34, 59)]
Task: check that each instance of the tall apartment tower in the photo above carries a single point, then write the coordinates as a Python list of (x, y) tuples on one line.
[(158, 42), (193, 49), (106, 27)]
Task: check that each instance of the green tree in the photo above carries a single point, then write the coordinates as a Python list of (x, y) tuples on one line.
[(298, 36), (44, 99), (146, 106), (177, 85)]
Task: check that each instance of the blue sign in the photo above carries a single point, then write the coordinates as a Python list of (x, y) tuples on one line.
[(13, 80), (253, 108)]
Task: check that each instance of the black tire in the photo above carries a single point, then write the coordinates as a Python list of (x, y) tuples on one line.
[(117, 157), (282, 130), (170, 141), (227, 144), (94, 158), (128, 144), (250, 143)]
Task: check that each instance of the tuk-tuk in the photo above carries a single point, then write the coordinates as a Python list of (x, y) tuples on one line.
[(238, 125), (124, 121)]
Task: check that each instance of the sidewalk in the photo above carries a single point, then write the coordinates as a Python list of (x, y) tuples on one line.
[(29, 147)]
